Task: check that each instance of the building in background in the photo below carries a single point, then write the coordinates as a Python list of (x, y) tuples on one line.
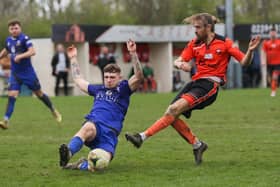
[(158, 45)]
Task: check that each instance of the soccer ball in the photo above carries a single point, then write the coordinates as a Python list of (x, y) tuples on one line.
[(98, 159)]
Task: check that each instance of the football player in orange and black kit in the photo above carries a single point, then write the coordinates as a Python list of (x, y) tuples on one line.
[(271, 50), (211, 53)]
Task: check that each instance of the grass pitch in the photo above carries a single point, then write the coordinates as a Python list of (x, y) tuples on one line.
[(241, 128)]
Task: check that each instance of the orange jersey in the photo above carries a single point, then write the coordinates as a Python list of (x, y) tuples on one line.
[(272, 51), (211, 60)]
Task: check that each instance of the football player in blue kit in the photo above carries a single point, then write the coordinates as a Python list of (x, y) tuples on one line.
[(104, 123), (20, 49)]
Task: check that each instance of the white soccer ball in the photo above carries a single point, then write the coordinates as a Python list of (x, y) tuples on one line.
[(98, 159)]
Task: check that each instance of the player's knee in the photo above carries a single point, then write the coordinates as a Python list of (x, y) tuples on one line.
[(13, 94), (172, 110), (98, 159), (87, 132)]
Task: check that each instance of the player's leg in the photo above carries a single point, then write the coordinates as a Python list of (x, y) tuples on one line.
[(33, 83), (13, 92), (102, 149), (172, 112), (198, 146), (46, 100), (86, 133), (98, 159), (138, 138), (185, 131), (274, 81)]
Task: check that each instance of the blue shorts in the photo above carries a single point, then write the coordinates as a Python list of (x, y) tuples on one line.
[(31, 81), (105, 138)]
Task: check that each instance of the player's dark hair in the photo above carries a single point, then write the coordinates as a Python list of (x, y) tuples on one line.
[(14, 22), (205, 18), (112, 68)]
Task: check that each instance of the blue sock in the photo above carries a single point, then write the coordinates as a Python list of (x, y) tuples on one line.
[(10, 107), (46, 100), (75, 145), (84, 166)]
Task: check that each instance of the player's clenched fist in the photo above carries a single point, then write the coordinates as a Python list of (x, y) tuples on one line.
[(131, 46)]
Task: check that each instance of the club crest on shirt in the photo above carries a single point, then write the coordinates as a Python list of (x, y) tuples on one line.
[(218, 51), (13, 49), (273, 45), (208, 56), (18, 43), (109, 92)]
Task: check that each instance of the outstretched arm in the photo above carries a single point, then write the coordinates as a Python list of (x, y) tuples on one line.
[(76, 73), (254, 42), (137, 78)]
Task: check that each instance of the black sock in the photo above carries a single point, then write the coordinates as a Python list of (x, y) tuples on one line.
[(46, 100)]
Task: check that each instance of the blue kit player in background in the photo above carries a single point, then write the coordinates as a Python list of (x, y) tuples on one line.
[(20, 49), (105, 121)]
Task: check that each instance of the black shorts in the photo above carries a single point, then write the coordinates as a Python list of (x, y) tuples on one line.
[(203, 91), (271, 68)]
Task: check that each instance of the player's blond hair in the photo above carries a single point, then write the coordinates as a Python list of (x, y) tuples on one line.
[(206, 19)]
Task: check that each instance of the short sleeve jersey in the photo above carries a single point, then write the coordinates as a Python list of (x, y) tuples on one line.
[(16, 46), (272, 51), (110, 105), (211, 60)]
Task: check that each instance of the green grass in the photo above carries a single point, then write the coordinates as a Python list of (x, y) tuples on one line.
[(241, 128)]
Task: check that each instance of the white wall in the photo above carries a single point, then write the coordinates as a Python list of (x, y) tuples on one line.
[(161, 61), (42, 64)]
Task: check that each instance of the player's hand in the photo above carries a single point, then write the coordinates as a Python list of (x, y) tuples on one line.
[(254, 42), (72, 51), (186, 67), (17, 59), (131, 46)]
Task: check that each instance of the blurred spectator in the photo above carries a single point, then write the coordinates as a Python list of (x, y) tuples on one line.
[(104, 58), (5, 66), (177, 81), (149, 84), (60, 68), (252, 73)]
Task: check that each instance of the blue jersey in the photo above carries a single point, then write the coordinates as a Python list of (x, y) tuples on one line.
[(110, 105), (16, 46)]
